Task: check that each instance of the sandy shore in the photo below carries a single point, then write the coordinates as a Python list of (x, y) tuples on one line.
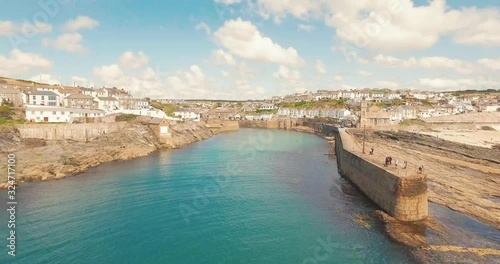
[(480, 138)]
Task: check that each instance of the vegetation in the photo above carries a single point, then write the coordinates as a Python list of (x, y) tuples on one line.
[(125, 117), (316, 104), (380, 91), (412, 122), (5, 112), (487, 91), (426, 103), (397, 102), (4, 121), (258, 111), (167, 108)]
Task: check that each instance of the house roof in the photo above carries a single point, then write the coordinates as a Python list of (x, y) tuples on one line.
[(379, 115), (38, 92), (86, 89), (79, 96), (155, 121), (107, 98)]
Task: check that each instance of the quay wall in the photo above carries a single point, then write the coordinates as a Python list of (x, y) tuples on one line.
[(404, 198)]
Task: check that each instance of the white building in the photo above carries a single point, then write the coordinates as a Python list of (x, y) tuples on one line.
[(142, 104), (44, 98), (267, 107), (59, 114), (107, 103), (187, 115), (492, 108)]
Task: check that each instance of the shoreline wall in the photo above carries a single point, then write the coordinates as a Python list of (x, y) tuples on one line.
[(269, 124), (76, 132), (404, 198)]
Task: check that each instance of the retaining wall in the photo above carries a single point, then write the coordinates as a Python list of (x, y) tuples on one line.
[(77, 132)]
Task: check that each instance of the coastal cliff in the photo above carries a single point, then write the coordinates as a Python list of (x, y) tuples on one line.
[(41, 159)]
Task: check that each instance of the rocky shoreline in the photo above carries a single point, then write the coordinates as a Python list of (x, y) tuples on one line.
[(53, 160)]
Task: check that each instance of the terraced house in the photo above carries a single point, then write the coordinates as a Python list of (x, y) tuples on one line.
[(81, 101)]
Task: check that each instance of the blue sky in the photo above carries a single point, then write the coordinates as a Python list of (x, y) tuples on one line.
[(249, 49)]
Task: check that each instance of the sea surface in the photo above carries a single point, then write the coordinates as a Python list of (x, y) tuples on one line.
[(253, 196)]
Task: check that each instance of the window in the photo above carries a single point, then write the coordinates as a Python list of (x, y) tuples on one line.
[(54, 113), (52, 103), (32, 112), (62, 113), (34, 102), (43, 97), (52, 97), (57, 118)]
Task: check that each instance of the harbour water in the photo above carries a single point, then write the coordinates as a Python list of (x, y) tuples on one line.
[(253, 196)]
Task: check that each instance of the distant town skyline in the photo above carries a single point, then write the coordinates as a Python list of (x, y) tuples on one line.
[(252, 49)]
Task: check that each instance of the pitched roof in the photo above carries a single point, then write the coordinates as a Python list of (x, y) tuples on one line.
[(155, 121), (38, 92), (107, 98), (79, 96)]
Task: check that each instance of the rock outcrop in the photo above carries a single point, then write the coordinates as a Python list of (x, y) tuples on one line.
[(38, 159)]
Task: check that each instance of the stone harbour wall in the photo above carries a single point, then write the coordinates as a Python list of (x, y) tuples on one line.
[(404, 198)]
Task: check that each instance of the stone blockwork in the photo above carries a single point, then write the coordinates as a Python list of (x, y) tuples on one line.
[(270, 124), (404, 198), (76, 132)]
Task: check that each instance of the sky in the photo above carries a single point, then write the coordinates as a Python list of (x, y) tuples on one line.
[(252, 49)]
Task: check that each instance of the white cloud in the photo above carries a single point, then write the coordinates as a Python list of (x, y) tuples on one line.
[(81, 81), (290, 79), (7, 28), (37, 27), (190, 84), (387, 84), (393, 25), (363, 73), (220, 57), (68, 42), (81, 22), (46, 78), (20, 62), (304, 27), (479, 83), (338, 78), (228, 2), (140, 84), (224, 73), (243, 39), (129, 59), (430, 63), (320, 67), (493, 64), (111, 74), (205, 27), (485, 32)]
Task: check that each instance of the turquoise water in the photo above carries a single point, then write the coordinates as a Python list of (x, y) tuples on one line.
[(253, 196)]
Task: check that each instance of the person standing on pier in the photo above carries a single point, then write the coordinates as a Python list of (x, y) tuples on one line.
[(396, 163), (405, 164)]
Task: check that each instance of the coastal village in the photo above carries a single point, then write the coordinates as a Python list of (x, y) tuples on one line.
[(59, 131), (43, 103)]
